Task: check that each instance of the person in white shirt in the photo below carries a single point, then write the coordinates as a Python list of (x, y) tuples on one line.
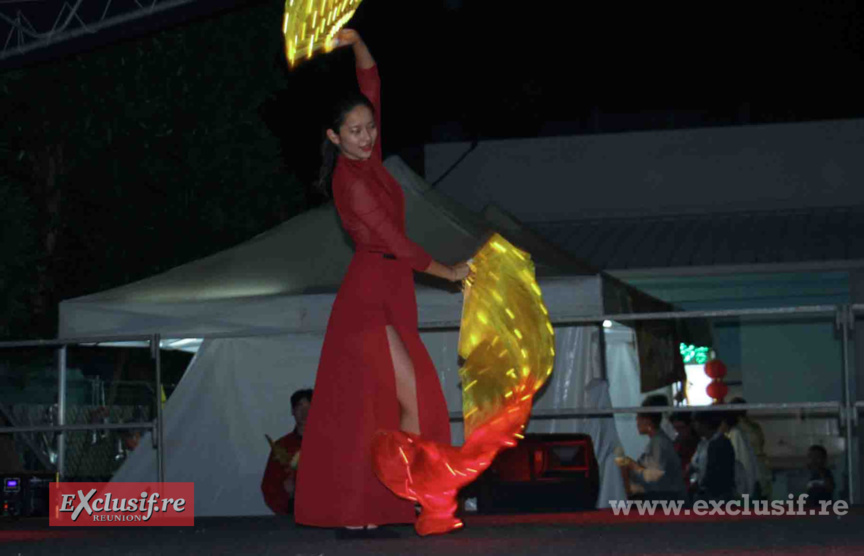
[(754, 433)]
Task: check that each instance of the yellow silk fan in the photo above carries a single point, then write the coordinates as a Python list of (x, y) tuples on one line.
[(310, 26), (506, 337)]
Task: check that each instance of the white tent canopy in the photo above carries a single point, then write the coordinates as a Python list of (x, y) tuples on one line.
[(262, 309)]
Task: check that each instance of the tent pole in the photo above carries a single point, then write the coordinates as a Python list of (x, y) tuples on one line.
[(61, 410), (603, 364), (160, 425), (844, 314)]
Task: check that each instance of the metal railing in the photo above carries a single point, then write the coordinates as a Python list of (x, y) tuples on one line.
[(773, 408), (847, 409), (156, 427)]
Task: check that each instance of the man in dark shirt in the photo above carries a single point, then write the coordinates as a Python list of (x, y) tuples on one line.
[(277, 486), (713, 468)]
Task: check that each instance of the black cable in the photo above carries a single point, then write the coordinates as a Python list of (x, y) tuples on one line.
[(453, 166)]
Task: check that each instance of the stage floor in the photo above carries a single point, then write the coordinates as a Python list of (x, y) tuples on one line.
[(581, 534)]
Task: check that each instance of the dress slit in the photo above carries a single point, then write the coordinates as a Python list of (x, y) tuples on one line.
[(405, 376)]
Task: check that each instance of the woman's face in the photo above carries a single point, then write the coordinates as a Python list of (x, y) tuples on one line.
[(357, 136)]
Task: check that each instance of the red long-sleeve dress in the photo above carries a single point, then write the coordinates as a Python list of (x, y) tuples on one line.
[(355, 388)]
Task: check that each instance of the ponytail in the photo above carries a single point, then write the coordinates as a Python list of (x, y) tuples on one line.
[(329, 151), (329, 154)]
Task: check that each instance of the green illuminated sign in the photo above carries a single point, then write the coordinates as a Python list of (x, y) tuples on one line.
[(694, 355)]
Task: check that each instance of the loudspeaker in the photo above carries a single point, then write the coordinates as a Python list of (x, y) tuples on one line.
[(543, 473), (24, 495)]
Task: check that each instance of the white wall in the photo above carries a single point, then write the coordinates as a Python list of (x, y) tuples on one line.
[(668, 172), (791, 362)]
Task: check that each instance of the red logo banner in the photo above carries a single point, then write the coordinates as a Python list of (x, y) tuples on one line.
[(112, 504)]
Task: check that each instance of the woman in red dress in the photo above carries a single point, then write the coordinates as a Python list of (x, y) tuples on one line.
[(374, 372)]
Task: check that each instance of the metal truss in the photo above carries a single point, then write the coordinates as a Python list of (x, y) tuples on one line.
[(30, 25)]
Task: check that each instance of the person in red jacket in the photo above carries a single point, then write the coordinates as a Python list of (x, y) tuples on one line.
[(277, 486)]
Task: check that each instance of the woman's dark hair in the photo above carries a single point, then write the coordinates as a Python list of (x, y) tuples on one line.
[(329, 151)]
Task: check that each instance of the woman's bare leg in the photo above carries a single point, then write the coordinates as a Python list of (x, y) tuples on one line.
[(406, 383)]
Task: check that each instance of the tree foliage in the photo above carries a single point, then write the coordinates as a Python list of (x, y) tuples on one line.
[(18, 248), (123, 162)]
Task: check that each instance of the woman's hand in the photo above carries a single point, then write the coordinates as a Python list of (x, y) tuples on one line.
[(350, 37), (455, 273), (347, 37), (460, 272)]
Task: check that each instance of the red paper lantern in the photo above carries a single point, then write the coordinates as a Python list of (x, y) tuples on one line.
[(715, 369), (717, 390)]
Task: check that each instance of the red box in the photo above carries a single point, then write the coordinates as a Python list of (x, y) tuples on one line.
[(121, 504)]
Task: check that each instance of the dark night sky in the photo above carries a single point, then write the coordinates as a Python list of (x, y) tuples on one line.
[(463, 69), (507, 74), (462, 72), (456, 69)]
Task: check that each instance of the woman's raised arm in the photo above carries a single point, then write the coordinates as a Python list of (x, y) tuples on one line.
[(350, 37)]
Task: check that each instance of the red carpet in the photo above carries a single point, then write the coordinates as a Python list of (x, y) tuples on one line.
[(7, 536)]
